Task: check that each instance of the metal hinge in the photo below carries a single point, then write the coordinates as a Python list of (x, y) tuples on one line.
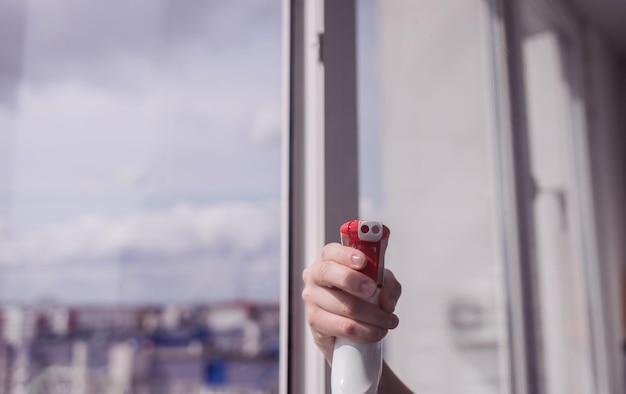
[(320, 47)]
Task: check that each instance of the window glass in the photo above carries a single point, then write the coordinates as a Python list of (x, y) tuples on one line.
[(139, 196), (426, 161)]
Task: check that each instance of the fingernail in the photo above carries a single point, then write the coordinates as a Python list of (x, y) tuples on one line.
[(368, 288), (358, 261), (394, 321)]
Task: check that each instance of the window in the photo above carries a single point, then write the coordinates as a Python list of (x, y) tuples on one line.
[(140, 195), (462, 109)]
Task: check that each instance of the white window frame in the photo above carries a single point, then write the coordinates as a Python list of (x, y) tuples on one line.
[(509, 115), (320, 178)]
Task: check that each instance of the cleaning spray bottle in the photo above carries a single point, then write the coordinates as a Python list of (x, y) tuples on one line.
[(357, 366)]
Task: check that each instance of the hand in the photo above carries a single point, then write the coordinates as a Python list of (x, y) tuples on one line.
[(335, 295)]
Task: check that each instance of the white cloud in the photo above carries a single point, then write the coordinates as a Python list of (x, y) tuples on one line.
[(182, 231), (84, 147), (74, 38), (186, 253)]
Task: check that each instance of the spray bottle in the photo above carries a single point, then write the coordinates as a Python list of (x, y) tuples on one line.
[(357, 366)]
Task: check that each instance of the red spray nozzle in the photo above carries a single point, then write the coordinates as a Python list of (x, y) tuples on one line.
[(371, 238)]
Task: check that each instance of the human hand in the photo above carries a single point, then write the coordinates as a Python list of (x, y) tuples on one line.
[(335, 295)]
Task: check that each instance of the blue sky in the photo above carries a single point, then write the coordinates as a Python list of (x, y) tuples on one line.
[(142, 151)]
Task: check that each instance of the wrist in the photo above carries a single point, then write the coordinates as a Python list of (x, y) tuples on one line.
[(390, 383)]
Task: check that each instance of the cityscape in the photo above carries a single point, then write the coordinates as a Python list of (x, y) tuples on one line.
[(229, 347)]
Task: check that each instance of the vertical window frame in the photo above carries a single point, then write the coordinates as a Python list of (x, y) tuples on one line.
[(564, 21), (320, 176), (512, 187)]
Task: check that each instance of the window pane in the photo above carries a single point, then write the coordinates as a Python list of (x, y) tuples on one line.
[(426, 127), (139, 195)]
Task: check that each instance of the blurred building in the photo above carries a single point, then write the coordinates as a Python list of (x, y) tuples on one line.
[(230, 347)]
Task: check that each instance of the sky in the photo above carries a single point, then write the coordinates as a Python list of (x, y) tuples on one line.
[(141, 150)]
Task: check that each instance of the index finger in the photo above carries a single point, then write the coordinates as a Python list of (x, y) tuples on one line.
[(331, 274), (343, 255)]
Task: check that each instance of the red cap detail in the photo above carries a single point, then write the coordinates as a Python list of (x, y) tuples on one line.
[(373, 251)]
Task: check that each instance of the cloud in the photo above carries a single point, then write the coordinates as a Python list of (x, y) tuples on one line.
[(183, 231), (123, 108), (76, 38), (177, 135), (12, 24), (180, 254)]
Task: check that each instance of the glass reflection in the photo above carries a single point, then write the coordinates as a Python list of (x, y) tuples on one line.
[(426, 171)]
